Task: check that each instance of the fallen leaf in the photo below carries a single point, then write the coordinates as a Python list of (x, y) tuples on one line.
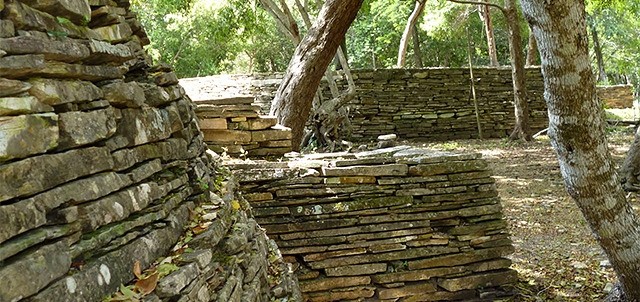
[(137, 270), (147, 285)]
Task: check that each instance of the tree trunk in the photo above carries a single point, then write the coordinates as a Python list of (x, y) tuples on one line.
[(532, 50), (417, 53), (577, 132), (522, 130), (485, 16), (630, 170), (597, 49), (404, 41), (293, 100)]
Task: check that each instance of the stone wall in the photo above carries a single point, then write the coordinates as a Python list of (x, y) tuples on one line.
[(383, 225), (617, 96), (429, 104), (103, 166)]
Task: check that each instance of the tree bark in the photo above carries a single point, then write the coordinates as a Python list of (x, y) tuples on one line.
[(404, 41), (630, 170), (532, 50), (522, 130), (417, 53), (293, 100), (577, 132), (597, 49), (485, 16)]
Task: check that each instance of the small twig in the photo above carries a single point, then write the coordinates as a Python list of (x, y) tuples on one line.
[(504, 11)]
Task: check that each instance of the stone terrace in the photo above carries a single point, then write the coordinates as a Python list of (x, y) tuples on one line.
[(389, 224)]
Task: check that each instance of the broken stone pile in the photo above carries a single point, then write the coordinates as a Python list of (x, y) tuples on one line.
[(102, 165), (616, 96), (233, 125), (395, 224)]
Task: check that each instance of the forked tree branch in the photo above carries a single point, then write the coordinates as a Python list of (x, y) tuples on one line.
[(502, 9)]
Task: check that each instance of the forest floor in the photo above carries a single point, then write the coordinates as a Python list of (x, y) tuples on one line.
[(557, 257)]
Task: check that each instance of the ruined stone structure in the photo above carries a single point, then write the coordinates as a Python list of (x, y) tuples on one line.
[(396, 224), (232, 124), (103, 166), (617, 96), (429, 104)]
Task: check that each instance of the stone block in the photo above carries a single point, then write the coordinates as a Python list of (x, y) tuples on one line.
[(26, 135), (47, 171), (102, 52), (405, 291), (448, 167), (213, 123), (462, 258), (38, 236), (12, 87), (26, 18), (79, 71), (122, 95), (32, 272), (262, 122), (56, 92), (114, 34), (356, 270), (21, 66), (223, 136), (6, 28), (78, 11), (379, 170), (277, 144), (60, 49), (144, 125), (172, 284), (22, 105), (81, 128), (269, 151), (333, 283), (418, 275), (489, 279)]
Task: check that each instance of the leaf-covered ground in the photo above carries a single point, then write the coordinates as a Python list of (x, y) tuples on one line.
[(557, 257)]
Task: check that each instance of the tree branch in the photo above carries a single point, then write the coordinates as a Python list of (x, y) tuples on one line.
[(502, 9)]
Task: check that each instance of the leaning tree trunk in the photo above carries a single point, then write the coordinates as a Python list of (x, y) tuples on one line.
[(522, 130), (485, 16), (406, 35), (577, 132), (417, 52), (293, 100)]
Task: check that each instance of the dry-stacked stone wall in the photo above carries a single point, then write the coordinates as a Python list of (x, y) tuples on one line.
[(617, 96), (429, 104), (103, 166), (396, 224)]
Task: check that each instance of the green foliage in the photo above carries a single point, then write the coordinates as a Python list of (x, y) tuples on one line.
[(204, 37)]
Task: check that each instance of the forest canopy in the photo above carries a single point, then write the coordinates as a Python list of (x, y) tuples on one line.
[(205, 37)]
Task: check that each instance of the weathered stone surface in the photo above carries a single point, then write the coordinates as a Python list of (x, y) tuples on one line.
[(116, 33), (123, 95), (227, 136), (417, 275), (262, 122), (103, 52), (21, 66), (12, 87), (33, 271), (355, 270), (30, 239), (144, 125), (81, 72), (379, 170), (46, 171), (331, 283), (77, 11), (155, 96), (81, 128), (26, 135), (27, 18), (282, 133), (176, 281), (56, 92), (22, 105), (408, 290), (6, 28), (489, 279), (448, 168), (213, 124), (60, 49)]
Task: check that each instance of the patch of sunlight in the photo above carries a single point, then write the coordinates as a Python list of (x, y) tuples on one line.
[(491, 153)]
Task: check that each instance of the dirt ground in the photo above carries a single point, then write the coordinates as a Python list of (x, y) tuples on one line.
[(557, 257)]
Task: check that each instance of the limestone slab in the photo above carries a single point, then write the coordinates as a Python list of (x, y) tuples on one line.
[(21, 65), (122, 95), (273, 134), (81, 128), (22, 105), (56, 92), (213, 124), (12, 87), (378, 170), (36, 174), (333, 283), (61, 49), (25, 135), (488, 279), (78, 11), (116, 33)]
